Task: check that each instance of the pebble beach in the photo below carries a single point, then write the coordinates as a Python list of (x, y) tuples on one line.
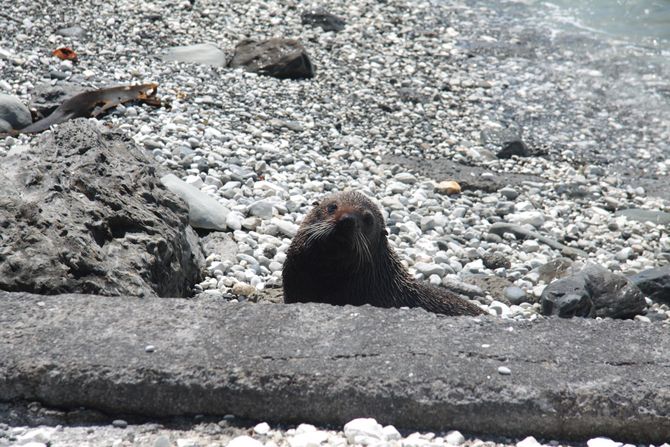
[(405, 92)]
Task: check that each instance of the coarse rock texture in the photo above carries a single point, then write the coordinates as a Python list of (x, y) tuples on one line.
[(654, 283), (327, 365), (83, 211), (593, 292), (276, 57)]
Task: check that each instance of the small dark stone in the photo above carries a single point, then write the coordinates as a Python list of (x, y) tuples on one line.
[(654, 283), (496, 260), (593, 292), (324, 19), (277, 57), (120, 423), (515, 147)]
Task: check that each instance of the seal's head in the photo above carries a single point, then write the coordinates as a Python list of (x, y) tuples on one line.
[(346, 226)]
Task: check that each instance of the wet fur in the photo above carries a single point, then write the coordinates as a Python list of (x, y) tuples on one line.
[(336, 263)]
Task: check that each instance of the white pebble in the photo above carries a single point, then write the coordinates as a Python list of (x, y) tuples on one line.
[(390, 433), (244, 441), (602, 442), (454, 437), (528, 442), (504, 371), (262, 429), (356, 429)]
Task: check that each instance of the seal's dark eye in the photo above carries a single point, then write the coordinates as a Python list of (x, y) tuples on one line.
[(368, 219), (331, 208)]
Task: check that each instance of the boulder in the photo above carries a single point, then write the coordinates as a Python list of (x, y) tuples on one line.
[(593, 292), (83, 211), (655, 283), (322, 18), (277, 57), (14, 115)]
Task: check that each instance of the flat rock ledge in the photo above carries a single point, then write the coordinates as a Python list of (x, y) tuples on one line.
[(570, 379)]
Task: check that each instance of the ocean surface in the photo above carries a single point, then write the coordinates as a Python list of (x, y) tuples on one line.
[(643, 22)]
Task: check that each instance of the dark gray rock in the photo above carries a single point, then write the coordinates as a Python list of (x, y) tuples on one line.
[(514, 147), (522, 233), (322, 18), (277, 57), (593, 292), (654, 283), (327, 364), (14, 115), (83, 211)]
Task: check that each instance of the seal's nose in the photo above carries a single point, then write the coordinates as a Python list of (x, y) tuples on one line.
[(348, 220)]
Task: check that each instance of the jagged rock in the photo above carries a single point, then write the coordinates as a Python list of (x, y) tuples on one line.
[(83, 211), (14, 115), (277, 57), (324, 19), (655, 283), (593, 292)]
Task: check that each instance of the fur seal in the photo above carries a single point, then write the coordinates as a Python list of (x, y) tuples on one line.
[(341, 255)]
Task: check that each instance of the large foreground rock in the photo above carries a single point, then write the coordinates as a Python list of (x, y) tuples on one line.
[(83, 211), (316, 363)]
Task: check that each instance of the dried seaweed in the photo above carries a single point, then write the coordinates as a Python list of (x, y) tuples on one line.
[(96, 103)]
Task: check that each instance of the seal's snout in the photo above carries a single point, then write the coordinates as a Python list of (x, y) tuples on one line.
[(348, 221)]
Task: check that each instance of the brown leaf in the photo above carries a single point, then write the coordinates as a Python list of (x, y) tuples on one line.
[(65, 53)]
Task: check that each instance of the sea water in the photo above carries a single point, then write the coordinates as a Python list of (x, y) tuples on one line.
[(643, 22)]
